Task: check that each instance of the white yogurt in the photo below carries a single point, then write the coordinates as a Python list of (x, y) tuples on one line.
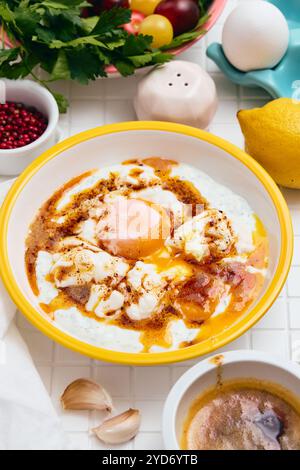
[(47, 291), (114, 338), (108, 336), (99, 334)]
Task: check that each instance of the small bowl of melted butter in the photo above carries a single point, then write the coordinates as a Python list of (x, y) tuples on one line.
[(239, 400)]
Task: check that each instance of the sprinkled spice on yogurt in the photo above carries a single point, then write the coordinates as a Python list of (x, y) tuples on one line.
[(20, 125)]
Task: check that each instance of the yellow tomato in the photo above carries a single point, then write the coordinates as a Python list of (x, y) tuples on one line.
[(146, 7), (159, 27)]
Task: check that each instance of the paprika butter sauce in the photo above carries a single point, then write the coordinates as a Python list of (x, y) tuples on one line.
[(147, 256)]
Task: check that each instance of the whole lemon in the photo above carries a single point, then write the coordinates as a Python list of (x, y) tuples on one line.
[(272, 137)]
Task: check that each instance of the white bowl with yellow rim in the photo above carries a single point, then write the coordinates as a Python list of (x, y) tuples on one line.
[(116, 143)]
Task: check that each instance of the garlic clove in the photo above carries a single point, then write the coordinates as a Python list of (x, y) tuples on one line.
[(120, 428), (84, 394)]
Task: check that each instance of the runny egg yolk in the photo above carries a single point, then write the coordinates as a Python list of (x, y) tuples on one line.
[(133, 228), (173, 266)]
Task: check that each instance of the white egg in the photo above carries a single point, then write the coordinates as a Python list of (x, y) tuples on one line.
[(255, 36)]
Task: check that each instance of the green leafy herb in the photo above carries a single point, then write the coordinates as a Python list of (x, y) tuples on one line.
[(182, 39), (204, 5), (111, 19), (189, 36), (8, 55), (53, 36), (62, 102), (61, 70)]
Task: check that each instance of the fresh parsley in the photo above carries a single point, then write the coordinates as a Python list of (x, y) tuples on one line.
[(53, 36)]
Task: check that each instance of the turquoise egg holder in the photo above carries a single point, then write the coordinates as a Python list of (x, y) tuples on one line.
[(284, 79)]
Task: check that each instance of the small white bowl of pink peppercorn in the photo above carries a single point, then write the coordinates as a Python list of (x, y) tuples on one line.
[(28, 124)]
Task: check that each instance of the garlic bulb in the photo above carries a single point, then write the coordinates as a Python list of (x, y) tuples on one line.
[(83, 394), (120, 428)]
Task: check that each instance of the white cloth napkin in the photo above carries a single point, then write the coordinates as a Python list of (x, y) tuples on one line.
[(28, 420)]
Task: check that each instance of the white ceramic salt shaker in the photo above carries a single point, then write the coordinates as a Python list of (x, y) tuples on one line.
[(178, 91)]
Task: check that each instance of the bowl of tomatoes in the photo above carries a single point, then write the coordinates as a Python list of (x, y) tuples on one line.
[(83, 40), (175, 25)]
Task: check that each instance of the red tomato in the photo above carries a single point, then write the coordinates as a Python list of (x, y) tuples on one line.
[(108, 4), (134, 26), (182, 14)]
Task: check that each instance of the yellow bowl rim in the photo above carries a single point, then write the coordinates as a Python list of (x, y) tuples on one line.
[(200, 349)]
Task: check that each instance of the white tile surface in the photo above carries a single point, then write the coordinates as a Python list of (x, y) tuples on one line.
[(152, 413), (296, 257), (226, 112), (119, 110), (225, 88), (107, 101), (86, 114), (79, 440), (177, 372), (294, 282), (46, 376), (115, 379), (253, 103), (295, 345), (148, 440), (294, 309), (229, 132), (196, 54), (296, 220), (151, 382), (40, 347), (274, 342), (66, 356), (275, 318), (120, 88), (95, 90)]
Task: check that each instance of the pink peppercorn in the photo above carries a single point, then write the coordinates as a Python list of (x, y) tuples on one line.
[(20, 125)]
